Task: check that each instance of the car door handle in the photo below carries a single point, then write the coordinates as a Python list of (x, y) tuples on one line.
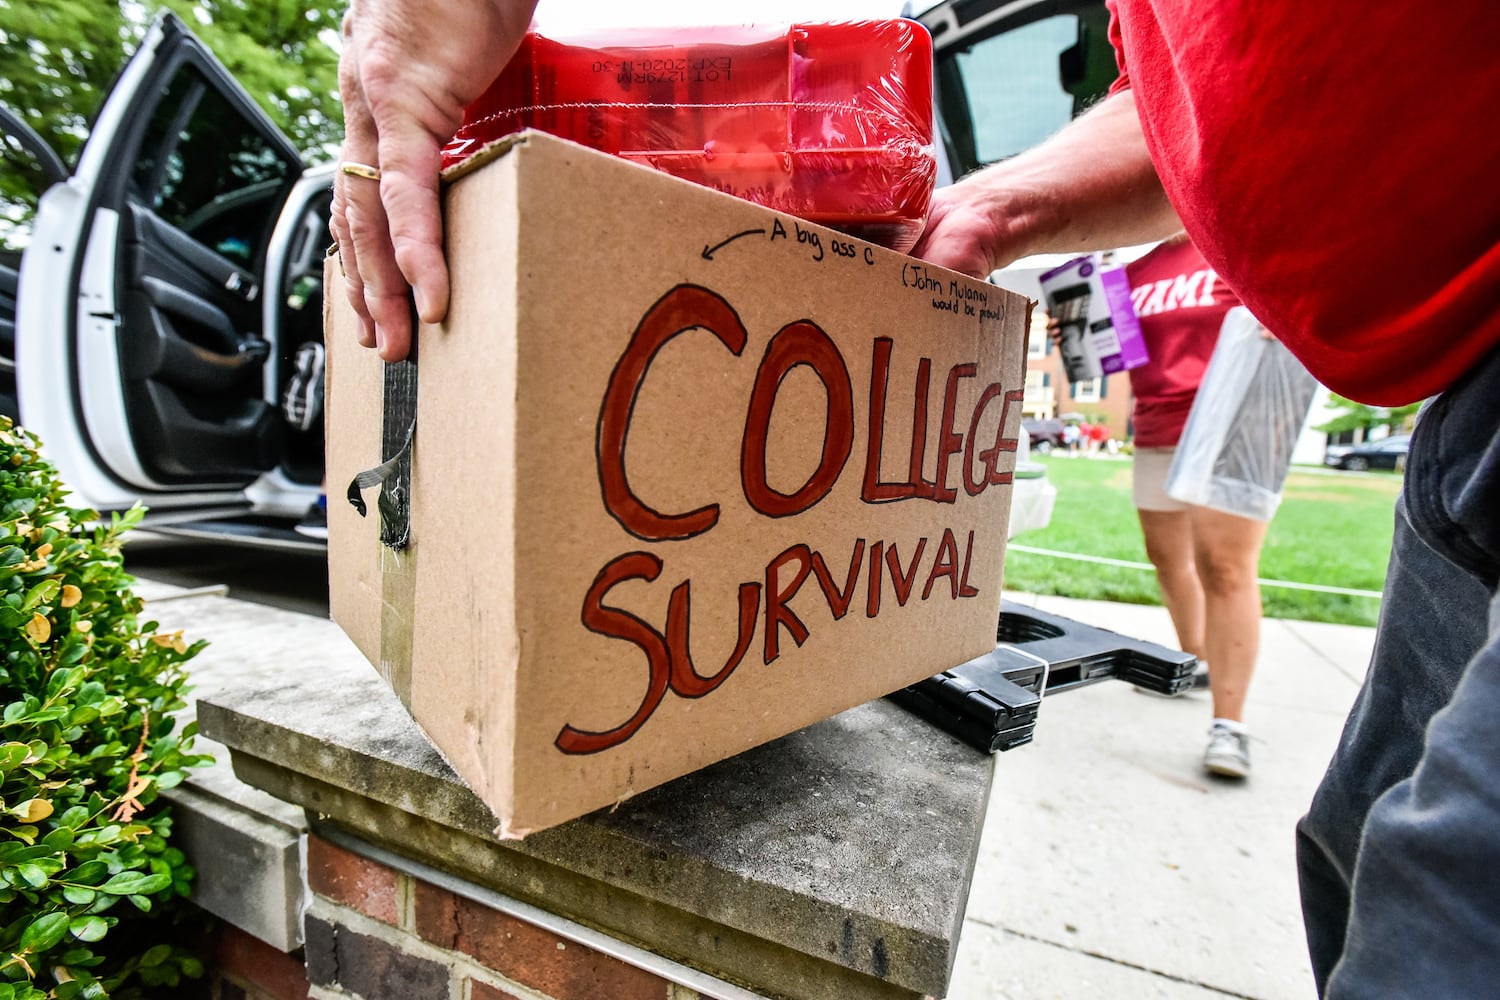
[(202, 313), (255, 351)]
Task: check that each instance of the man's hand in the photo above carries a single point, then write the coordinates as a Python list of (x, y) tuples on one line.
[(1090, 187), (406, 71), (960, 234)]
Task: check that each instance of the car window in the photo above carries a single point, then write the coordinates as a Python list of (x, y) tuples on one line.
[(1007, 92), (205, 170)]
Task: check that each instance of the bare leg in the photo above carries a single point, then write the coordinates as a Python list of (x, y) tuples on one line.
[(1169, 546), (1227, 557)]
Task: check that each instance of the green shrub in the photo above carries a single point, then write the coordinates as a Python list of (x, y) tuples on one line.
[(90, 887)]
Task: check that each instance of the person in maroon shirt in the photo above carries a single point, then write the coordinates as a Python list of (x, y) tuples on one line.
[(1335, 163), (1207, 561)]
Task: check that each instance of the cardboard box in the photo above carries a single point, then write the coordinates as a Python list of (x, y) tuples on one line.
[(687, 475)]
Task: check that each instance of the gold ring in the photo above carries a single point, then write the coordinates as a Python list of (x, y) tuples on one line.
[(364, 170)]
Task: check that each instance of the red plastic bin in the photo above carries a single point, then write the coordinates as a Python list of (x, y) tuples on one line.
[(828, 122)]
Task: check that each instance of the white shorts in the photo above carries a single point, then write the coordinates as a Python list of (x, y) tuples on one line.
[(1149, 480)]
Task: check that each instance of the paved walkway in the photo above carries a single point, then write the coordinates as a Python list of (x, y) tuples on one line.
[(1113, 867)]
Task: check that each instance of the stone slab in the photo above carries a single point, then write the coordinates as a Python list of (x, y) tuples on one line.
[(244, 843), (248, 866), (851, 842)]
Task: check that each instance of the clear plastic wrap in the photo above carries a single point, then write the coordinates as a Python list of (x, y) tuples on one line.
[(828, 122), (1237, 446)]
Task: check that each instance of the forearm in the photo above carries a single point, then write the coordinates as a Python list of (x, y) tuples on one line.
[(1092, 186)]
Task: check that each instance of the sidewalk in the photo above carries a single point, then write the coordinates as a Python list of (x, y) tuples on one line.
[(1113, 867)]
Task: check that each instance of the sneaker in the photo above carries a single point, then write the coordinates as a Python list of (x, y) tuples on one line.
[(1228, 753), (314, 523), (302, 404)]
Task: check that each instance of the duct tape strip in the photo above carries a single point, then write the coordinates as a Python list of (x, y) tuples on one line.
[(397, 565), (393, 475)]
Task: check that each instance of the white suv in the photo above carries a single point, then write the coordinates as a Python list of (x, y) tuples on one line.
[(174, 271)]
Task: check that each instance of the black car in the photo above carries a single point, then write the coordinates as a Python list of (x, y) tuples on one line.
[(1387, 453), (1045, 434)]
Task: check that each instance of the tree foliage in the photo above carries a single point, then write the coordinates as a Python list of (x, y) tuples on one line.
[(58, 57), (281, 52), (1352, 416)]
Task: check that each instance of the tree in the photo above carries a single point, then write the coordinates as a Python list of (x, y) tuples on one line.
[(1354, 416), (57, 58)]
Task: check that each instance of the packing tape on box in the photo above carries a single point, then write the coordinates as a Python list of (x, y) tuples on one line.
[(393, 476)]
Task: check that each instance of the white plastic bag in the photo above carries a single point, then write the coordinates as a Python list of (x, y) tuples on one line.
[(1249, 411)]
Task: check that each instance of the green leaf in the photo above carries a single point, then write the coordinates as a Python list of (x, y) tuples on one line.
[(91, 693), (41, 594), (12, 754), (74, 818), (34, 874), (89, 928), (156, 955), (58, 840), (135, 884), (83, 715), (88, 873), (79, 895), (142, 903), (163, 747), (83, 987), (44, 932), (62, 680), (106, 834)]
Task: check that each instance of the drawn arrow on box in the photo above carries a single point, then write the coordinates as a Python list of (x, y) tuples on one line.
[(709, 251)]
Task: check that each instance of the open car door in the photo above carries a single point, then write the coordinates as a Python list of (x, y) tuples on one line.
[(26, 155), (141, 335)]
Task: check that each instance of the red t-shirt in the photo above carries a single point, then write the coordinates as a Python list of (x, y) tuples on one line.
[(1181, 304), (1335, 163)]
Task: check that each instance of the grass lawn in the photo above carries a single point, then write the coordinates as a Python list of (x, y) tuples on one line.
[(1333, 529)]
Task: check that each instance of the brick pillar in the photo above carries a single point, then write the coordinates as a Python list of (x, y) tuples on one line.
[(246, 968), (380, 934)]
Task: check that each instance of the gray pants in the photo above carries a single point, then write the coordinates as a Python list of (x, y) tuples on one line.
[(1399, 854)]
